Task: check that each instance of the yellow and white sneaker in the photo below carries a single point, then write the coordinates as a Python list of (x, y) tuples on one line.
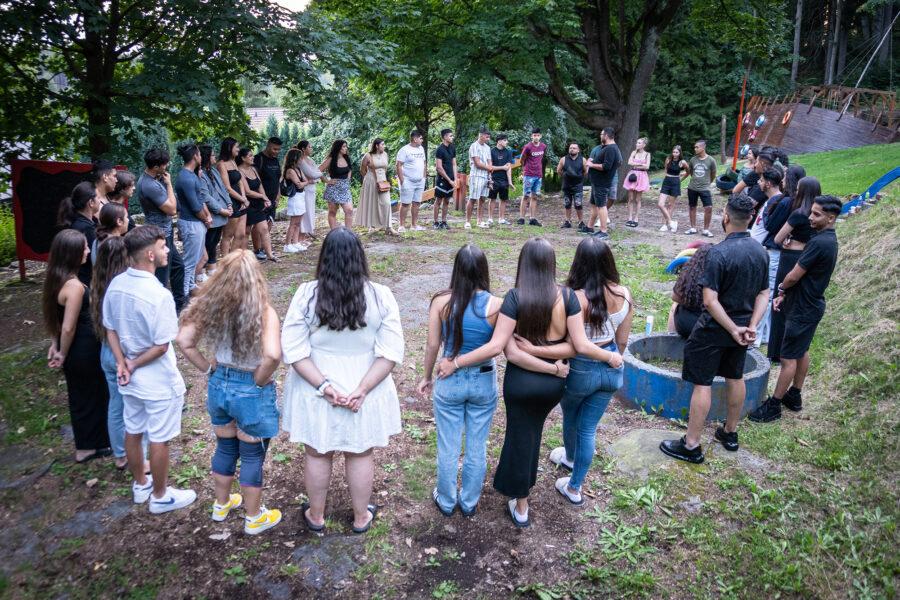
[(266, 519), (220, 511)]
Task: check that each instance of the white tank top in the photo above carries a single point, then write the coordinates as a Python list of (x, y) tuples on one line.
[(608, 332)]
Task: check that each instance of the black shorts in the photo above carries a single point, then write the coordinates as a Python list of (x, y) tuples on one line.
[(442, 188), (685, 319), (499, 190), (798, 336), (671, 186), (705, 358), (703, 195), (573, 196), (599, 196)]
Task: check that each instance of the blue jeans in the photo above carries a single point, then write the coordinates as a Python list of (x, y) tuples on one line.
[(589, 388), (193, 240), (465, 401), (232, 395), (762, 332), (531, 186), (115, 422)]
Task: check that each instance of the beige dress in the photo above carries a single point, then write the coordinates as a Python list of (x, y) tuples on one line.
[(374, 206)]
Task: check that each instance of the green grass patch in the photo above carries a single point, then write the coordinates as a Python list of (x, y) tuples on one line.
[(28, 398), (850, 171)]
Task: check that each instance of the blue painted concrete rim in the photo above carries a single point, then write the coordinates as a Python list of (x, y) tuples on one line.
[(759, 359)]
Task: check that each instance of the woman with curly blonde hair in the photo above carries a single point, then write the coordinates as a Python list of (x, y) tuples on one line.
[(233, 315)]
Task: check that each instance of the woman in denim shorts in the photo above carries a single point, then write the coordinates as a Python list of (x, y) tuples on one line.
[(607, 308), (462, 318), (233, 314)]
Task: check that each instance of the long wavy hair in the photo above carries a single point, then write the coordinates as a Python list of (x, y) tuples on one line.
[(230, 307), (110, 215), (671, 157), (594, 271), (342, 276), (470, 274), (291, 159), (81, 196), (688, 287), (334, 154), (807, 190), (66, 256), (112, 260), (226, 148), (792, 178), (537, 289)]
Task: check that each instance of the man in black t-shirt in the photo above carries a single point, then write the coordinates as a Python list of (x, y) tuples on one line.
[(269, 168), (802, 297), (602, 165), (501, 180), (735, 296), (445, 182)]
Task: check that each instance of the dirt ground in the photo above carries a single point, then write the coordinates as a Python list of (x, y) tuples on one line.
[(72, 531)]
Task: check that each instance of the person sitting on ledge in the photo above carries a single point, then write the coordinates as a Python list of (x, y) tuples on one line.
[(687, 295), (735, 295)]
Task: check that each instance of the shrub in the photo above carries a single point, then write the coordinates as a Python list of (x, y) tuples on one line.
[(7, 235)]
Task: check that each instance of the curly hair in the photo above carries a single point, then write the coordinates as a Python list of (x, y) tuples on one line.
[(688, 287), (231, 305), (112, 259)]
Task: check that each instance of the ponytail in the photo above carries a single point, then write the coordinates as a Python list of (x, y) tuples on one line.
[(69, 208)]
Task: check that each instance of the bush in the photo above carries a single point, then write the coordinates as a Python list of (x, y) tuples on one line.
[(7, 235)]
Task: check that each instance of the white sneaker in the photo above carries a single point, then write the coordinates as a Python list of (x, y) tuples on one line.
[(673, 226), (483, 225), (467, 225), (707, 233), (266, 519), (664, 229), (558, 457), (220, 511), (291, 249), (141, 493), (597, 223), (401, 229), (490, 221), (172, 500), (418, 228), (562, 486), (691, 231), (502, 222), (201, 278)]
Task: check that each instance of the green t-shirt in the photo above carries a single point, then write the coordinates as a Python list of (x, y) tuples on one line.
[(701, 171)]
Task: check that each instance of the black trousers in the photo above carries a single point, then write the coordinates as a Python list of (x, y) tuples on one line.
[(787, 262), (528, 397), (213, 237), (172, 275), (88, 393)]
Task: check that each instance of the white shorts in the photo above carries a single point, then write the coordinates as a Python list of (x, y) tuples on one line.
[(411, 191), (161, 419), (296, 206), (478, 188)]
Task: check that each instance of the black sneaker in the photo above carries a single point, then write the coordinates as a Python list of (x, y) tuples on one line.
[(534, 222), (677, 449), (445, 225), (728, 440), (792, 400), (602, 235), (521, 221), (566, 225), (768, 411), (582, 228), (436, 225)]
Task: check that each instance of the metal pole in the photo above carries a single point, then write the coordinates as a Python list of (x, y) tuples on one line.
[(737, 136)]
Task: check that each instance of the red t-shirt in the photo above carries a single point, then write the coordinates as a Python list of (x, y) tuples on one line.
[(533, 159)]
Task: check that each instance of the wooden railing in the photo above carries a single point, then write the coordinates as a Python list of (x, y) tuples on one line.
[(876, 106)]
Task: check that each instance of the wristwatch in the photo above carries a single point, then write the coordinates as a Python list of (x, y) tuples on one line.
[(321, 389)]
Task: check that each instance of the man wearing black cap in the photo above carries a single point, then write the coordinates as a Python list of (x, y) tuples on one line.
[(735, 295)]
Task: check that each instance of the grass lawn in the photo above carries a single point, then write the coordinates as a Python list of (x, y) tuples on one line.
[(850, 171)]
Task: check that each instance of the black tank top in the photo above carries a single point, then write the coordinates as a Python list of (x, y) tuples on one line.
[(337, 172), (84, 327), (234, 178), (254, 184), (673, 168), (573, 170)]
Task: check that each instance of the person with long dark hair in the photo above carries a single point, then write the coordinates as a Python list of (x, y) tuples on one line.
[(296, 205), (541, 312), (337, 168), (258, 211), (232, 313), (312, 175), (218, 203), (793, 237), (607, 309), (676, 171), (78, 211), (234, 236), (342, 338), (462, 318), (67, 317), (375, 195), (687, 294), (113, 222)]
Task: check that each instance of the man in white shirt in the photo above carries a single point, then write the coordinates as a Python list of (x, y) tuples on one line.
[(479, 172), (411, 175), (139, 316)]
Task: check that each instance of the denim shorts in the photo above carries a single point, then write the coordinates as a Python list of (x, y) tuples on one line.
[(232, 395), (531, 185)]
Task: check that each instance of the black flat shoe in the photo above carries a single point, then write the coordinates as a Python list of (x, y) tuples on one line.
[(374, 511), (101, 453), (309, 524), (434, 496), (678, 449), (510, 509)]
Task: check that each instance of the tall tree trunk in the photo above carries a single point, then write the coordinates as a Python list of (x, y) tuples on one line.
[(834, 32), (99, 70), (887, 16), (842, 51), (795, 60)]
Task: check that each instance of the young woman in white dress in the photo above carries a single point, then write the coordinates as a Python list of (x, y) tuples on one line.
[(342, 338)]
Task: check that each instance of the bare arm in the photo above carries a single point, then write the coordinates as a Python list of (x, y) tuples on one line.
[(170, 206), (187, 342), (503, 331), (432, 344), (270, 346), (364, 165), (250, 193), (554, 351), (399, 168), (624, 329), (793, 277), (559, 166), (235, 194), (145, 357), (520, 358), (575, 327), (72, 295), (122, 374), (759, 308), (783, 234)]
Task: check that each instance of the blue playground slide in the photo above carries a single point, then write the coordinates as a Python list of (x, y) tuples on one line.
[(876, 187)]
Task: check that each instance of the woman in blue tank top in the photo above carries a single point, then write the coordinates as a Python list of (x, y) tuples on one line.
[(462, 318)]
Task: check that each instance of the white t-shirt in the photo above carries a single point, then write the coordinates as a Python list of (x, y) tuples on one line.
[(413, 160), (142, 313), (483, 153), (758, 231)]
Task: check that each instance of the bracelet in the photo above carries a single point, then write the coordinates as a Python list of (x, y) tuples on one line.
[(321, 389), (456, 363), (557, 368), (208, 369)]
